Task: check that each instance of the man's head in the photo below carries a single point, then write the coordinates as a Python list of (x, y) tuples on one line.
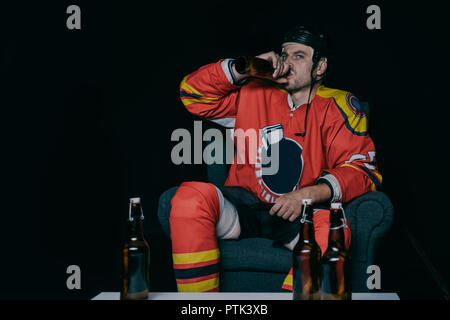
[(308, 55)]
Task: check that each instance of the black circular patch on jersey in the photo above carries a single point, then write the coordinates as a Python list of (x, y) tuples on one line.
[(289, 169)]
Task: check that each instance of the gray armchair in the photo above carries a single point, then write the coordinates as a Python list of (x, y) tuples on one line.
[(256, 265)]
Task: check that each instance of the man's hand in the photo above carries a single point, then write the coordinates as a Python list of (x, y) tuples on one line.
[(281, 68), (289, 205)]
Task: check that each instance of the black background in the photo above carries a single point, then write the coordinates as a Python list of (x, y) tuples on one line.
[(87, 117)]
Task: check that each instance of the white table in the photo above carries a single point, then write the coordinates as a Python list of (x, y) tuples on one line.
[(239, 296)]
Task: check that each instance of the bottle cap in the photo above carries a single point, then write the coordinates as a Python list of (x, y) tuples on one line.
[(307, 201), (135, 200), (336, 205)]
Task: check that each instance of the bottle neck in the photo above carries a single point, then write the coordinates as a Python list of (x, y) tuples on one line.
[(307, 226), (135, 221)]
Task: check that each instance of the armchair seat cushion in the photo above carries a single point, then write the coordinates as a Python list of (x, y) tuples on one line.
[(253, 265), (254, 254)]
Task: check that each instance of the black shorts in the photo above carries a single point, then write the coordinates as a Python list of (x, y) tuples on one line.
[(255, 220)]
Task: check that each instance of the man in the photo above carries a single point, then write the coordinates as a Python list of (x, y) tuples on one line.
[(324, 153)]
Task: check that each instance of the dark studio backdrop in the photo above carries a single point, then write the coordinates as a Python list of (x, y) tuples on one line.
[(87, 117)]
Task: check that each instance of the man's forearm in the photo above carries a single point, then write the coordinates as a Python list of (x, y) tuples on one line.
[(289, 205), (318, 193)]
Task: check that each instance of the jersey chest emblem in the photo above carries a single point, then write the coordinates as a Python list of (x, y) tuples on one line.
[(279, 163)]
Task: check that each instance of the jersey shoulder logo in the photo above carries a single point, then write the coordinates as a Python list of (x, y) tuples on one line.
[(349, 107)]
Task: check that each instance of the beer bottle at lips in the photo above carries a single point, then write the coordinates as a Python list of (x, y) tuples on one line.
[(306, 258), (136, 256), (254, 66), (336, 263)]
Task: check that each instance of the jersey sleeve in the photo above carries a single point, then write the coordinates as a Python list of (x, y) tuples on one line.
[(350, 151), (211, 94)]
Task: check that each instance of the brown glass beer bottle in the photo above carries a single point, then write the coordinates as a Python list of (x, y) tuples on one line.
[(136, 256), (254, 66), (306, 259), (336, 264)]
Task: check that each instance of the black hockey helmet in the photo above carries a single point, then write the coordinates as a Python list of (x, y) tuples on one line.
[(314, 38)]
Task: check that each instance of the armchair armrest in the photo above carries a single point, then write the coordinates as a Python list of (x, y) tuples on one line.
[(370, 216), (164, 209)]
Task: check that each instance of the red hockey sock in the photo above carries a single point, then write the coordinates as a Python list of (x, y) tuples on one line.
[(193, 217)]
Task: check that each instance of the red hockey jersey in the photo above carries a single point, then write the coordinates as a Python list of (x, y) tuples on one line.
[(336, 148)]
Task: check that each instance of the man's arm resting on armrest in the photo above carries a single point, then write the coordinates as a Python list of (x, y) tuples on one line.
[(289, 205)]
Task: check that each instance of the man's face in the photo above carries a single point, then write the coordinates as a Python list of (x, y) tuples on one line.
[(299, 59)]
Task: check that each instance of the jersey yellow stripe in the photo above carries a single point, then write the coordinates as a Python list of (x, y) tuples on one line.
[(188, 88), (200, 286), (195, 257), (198, 100), (358, 124), (351, 166), (281, 89), (378, 175), (288, 281)]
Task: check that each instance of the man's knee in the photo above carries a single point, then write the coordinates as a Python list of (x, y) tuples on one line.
[(195, 199), (193, 217)]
